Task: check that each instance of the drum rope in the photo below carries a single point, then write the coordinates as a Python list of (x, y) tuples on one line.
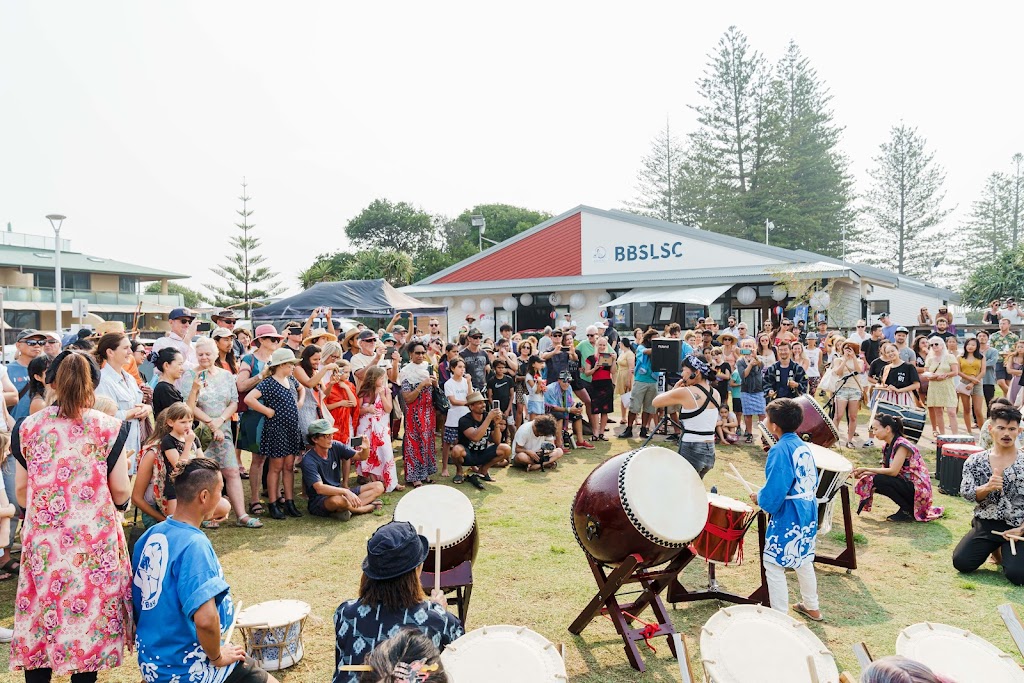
[(726, 535), (649, 630)]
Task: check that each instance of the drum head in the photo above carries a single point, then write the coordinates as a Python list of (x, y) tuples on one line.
[(663, 496), (727, 503), (503, 654), (273, 613), (957, 653), (827, 459), (756, 643), (437, 507)]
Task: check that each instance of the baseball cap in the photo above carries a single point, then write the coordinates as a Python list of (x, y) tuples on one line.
[(367, 335), (399, 328), (28, 333), (883, 315), (902, 329), (473, 332), (221, 332), (318, 427), (177, 313), (566, 375)]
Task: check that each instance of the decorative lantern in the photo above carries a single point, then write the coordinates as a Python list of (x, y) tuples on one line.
[(509, 303), (448, 302), (487, 305), (779, 292), (555, 299), (820, 300), (746, 295), (526, 299), (578, 300), (603, 298), (468, 305)]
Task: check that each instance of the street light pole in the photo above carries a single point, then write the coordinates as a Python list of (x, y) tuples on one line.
[(56, 220)]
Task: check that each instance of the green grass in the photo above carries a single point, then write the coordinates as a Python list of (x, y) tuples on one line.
[(530, 571)]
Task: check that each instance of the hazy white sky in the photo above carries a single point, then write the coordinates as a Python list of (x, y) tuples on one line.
[(139, 119)]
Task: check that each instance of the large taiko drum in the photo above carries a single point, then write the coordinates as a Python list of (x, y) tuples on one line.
[(503, 654), (957, 654), (722, 538), (749, 643), (817, 427), (649, 502), (914, 418), (833, 471), (430, 508)]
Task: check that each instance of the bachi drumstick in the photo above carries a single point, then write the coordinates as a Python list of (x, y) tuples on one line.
[(741, 479), (437, 562), (234, 620)]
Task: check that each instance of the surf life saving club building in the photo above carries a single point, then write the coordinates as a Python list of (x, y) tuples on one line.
[(636, 271)]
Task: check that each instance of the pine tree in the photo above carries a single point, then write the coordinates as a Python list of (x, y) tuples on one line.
[(905, 205), (1016, 198), (248, 281), (658, 179), (989, 228)]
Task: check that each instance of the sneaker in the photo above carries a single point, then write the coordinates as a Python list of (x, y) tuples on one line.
[(868, 444), (901, 516), (644, 433), (586, 445), (672, 437), (6, 635), (627, 434)]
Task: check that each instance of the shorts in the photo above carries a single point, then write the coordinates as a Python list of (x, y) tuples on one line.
[(1001, 372), (641, 399), (752, 404), (700, 454), (478, 458), (737, 404), (535, 407), (451, 435), (317, 503), (849, 394), (247, 671)]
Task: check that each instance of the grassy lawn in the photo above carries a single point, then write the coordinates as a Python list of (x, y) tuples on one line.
[(530, 571)]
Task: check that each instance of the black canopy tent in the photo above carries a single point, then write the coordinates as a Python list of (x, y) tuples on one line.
[(350, 299)]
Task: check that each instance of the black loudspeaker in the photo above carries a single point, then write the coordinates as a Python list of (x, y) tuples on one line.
[(666, 355)]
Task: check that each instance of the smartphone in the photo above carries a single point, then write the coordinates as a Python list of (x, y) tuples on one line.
[(204, 326), (357, 442), (430, 370), (495, 405), (744, 352)]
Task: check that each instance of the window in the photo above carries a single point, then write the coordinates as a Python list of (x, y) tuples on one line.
[(877, 308), (643, 314), (22, 319), (42, 278), (70, 279), (126, 318), (128, 284)]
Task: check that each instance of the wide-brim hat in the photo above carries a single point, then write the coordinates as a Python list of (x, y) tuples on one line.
[(108, 327), (267, 330), (281, 356), (226, 314), (393, 550), (319, 333), (728, 335), (347, 339), (853, 345), (475, 397)]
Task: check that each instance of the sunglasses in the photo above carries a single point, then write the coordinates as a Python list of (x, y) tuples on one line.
[(368, 341), (860, 327), (418, 353), (591, 335), (936, 345), (187, 321), (33, 342), (476, 336)]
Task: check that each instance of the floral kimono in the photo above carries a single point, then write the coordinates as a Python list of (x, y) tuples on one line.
[(789, 497), (915, 471)]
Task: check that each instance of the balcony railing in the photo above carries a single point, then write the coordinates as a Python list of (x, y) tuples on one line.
[(45, 295)]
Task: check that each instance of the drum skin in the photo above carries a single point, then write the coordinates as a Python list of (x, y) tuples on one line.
[(601, 525), (452, 557)]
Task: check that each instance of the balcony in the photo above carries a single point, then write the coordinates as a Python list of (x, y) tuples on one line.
[(44, 295)]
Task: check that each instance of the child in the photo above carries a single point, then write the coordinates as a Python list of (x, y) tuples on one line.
[(177, 442), (789, 497), (456, 389), (735, 382), (535, 387), (725, 430), (499, 388)]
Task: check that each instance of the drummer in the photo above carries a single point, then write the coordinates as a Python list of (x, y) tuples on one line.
[(390, 598), (994, 481), (699, 414)]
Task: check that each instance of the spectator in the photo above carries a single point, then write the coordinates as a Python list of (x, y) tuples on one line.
[(457, 389), (872, 346), (112, 353), (478, 363), (786, 333), (625, 366), (499, 388), (480, 445), (645, 387), (730, 352), (534, 444), (170, 368), (526, 350), (584, 350), (599, 368), (899, 669), (28, 345), (847, 370), (371, 353), (558, 401), (784, 379), (725, 428), (751, 370), (567, 323), (608, 330), (730, 326), (942, 328), (822, 333), (741, 332), (375, 405), (1011, 312), (252, 371), (940, 369), (350, 343), (340, 393), (972, 376), (226, 320), (920, 347), (924, 318), (764, 349), (325, 476), (723, 373), (991, 357), (860, 334), (735, 385), (904, 351), (897, 379), (801, 330), (184, 325), (418, 381), (36, 391), (993, 314), (810, 361), (1003, 341), (888, 328), (244, 337), (546, 342), (535, 387)]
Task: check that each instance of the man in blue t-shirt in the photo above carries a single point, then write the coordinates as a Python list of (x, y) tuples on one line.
[(29, 345), (181, 602), (325, 472), (645, 388)]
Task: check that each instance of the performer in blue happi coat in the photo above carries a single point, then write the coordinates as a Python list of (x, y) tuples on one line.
[(788, 497)]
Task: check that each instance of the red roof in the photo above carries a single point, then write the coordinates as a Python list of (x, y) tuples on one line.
[(555, 251)]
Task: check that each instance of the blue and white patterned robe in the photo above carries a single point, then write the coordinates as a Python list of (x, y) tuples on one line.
[(789, 497)]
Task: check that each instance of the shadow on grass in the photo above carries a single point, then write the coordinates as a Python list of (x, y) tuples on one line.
[(849, 601), (925, 536), (660, 666)]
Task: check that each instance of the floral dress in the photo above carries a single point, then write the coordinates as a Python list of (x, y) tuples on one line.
[(73, 610), (380, 465), (419, 450), (915, 471), (216, 392)]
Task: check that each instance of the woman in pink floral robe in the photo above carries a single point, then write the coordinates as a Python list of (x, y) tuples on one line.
[(73, 608)]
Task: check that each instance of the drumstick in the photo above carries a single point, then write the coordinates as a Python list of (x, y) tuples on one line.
[(812, 669), (741, 479), (1013, 624), (846, 678), (683, 658), (738, 479), (234, 620), (355, 667), (437, 562)]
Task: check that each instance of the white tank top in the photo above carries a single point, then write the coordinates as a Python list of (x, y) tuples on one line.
[(705, 421)]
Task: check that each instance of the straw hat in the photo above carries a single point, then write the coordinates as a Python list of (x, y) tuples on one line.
[(319, 333), (107, 327), (728, 335), (282, 356), (852, 345)]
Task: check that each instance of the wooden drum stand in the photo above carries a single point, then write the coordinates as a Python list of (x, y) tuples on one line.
[(847, 558), (458, 580)]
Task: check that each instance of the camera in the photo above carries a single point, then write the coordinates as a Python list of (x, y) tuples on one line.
[(578, 405)]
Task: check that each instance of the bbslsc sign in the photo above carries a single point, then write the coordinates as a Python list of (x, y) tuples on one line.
[(648, 252)]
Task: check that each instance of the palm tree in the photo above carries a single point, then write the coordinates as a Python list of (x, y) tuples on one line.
[(321, 271)]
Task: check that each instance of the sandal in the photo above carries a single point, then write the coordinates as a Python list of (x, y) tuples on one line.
[(534, 467), (247, 522), (474, 480), (378, 504), (850, 444), (800, 609), (417, 484), (257, 509), (458, 479), (12, 566), (428, 481), (486, 477), (5, 576), (749, 439), (210, 524)]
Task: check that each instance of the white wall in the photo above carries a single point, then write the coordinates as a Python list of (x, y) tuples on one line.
[(904, 305)]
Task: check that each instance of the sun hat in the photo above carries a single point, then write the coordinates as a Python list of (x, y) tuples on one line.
[(319, 333), (267, 330), (221, 332), (225, 315), (393, 550), (280, 357), (475, 397), (387, 337), (106, 327), (727, 335), (853, 345), (812, 335), (319, 427)]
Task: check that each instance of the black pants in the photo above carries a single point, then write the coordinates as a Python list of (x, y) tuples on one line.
[(974, 548), (898, 489), (989, 390), (43, 676)]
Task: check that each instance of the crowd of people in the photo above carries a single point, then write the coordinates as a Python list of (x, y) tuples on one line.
[(97, 422)]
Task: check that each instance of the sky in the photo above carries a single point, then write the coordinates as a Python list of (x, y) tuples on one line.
[(138, 120)]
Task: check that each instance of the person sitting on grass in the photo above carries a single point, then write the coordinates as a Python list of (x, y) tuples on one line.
[(725, 430), (390, 598), (558, 400), (480, 445), (535, 444), (994, 481), (324, 475), (182, 605)]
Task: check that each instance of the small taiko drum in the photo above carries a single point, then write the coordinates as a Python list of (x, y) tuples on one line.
[(503, 654), (951, 467), (648, 502), (722, 538), (272, 632), (957, 654), (430, 508), (749, 643), (833, 471), (940, 442), (817, 427)]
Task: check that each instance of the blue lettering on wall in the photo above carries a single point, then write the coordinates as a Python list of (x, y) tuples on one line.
[(649, 252)]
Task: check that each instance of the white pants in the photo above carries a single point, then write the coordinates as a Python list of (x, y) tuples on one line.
[(778, 591)]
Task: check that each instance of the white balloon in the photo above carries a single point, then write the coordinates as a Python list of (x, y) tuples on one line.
[(448, 302), (746, 295), (603, 298), (487, 305), (779, 292), (526, 299), (468, 305), (509, 303), (824, 299), (555, 299), (578, 300)]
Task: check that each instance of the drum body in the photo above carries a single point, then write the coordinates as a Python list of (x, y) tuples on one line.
[(951, 467), (914, 418), (817, 427), (833, 471), (649, 502), (957, 654), (755, 643), (272, 632), (727, 519), (943, 439), (430, 508), (503, 654)]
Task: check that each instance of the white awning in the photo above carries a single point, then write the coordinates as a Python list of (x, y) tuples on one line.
[(702, 296)]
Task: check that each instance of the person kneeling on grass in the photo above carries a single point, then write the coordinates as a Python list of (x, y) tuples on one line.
[(182, 605), (535, 444), (480, 443), (322, 476)]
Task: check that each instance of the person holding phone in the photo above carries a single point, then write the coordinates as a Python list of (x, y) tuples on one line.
[(418, 383), (322, 316), (751, 368), (600, 367), (499, 393), (324, 479)]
